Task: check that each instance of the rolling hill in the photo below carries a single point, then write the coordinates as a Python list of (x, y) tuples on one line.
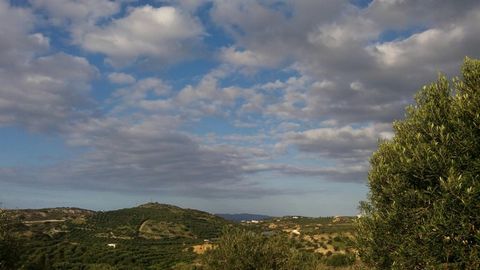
[(158, 236), (149, 236)]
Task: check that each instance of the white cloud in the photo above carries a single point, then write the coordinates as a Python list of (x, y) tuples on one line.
[(345, 44), (245, 58), (76, 16), (147, 94), (47, 93), (121, 78), (350, 29), (18, 41), (147, 154), (77, 10), (422, 46), (165, 33), (38, 93), (344, 142), (344, 82), (207, 97)]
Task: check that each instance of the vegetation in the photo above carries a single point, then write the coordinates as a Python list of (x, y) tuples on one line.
[(245, 250), (9, 245), (151, 236), (423, 210), (158, 236)]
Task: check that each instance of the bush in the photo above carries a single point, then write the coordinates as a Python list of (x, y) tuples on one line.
[(423, 210), (245, 250)]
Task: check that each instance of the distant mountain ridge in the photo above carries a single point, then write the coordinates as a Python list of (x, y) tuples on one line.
[(243, 216)]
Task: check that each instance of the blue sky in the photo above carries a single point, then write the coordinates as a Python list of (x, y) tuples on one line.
[(268, 106)]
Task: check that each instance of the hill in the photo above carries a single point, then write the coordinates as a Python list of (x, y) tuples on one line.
[(158, 236), (153, 235), (324, 236)]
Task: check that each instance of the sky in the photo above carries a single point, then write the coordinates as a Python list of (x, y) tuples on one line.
[(227, 106)]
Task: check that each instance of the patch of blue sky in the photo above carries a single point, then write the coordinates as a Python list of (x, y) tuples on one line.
[(283, 8), (307, 197), (59, 39), (185, 73), (19, 3), (295, 183), (312, 160), (21, 148), (361, 3), (101, 90), (40, 197), (141, 3), (400, 34), (216, 36)]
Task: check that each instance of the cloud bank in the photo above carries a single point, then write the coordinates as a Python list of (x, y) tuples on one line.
[(219, 98)]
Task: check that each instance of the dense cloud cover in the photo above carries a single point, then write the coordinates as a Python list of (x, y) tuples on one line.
[(210, 98)]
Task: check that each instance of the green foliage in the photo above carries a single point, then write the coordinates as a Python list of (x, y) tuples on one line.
[(157, 236), (127, 222), (151, 236), (245, 250), (338, 260), (423, 210), (10, 247)]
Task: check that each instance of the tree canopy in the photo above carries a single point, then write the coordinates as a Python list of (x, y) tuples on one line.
[(423, 209)]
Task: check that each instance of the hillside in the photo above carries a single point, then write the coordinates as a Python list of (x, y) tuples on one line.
[(154, 235), (157, 236), (324, 236)]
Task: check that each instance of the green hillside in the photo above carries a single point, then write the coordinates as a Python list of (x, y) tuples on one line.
[(160, 236), (150, 236)]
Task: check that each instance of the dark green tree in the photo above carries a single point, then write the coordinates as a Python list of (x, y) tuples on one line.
[(423, 210), (245, 250)]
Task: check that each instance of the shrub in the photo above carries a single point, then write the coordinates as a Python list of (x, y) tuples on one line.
[(245, 250)]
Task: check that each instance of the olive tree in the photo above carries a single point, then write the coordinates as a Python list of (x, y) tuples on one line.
[(423, 209)]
